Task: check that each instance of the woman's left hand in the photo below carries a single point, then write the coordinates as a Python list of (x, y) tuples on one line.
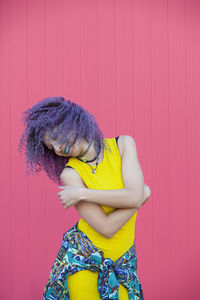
[(69, 196)]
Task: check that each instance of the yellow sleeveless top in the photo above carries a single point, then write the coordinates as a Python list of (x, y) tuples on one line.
[(108, 176)]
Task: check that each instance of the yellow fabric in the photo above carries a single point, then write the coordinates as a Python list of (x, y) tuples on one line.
[(83, 284)]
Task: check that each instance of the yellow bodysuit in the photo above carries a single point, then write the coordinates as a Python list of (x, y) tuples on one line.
[(83, 284)]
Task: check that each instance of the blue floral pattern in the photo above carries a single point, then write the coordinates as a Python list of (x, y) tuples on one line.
[(77, 253)]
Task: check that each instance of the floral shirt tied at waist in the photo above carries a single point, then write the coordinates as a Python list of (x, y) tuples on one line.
[(77, 253)]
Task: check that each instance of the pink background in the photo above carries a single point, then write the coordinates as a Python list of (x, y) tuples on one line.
[(135, 66)]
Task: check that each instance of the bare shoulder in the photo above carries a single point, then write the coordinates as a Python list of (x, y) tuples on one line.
[(70, 176), (126, 142)]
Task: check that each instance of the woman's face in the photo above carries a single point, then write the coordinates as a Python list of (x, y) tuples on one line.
[(61, 149)]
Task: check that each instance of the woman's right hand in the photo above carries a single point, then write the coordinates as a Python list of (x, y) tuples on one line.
[(147, 193)]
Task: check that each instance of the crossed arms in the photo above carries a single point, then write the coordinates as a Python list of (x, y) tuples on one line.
[(134, 194)]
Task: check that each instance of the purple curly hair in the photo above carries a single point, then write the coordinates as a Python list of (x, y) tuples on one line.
[(64, 120)]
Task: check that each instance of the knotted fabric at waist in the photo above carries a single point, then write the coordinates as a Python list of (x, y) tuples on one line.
[(77, 253)]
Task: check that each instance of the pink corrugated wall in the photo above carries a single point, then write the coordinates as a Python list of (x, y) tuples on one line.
[(135, 66)]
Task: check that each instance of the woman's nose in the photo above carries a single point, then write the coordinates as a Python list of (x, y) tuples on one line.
[(57, 147)]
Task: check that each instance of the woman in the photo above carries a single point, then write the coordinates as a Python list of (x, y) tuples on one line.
[(103, 179)]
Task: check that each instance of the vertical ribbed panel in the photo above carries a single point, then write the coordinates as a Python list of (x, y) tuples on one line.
[(135, 66)]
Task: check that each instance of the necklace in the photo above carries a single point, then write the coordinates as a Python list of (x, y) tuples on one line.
[(84, 158)]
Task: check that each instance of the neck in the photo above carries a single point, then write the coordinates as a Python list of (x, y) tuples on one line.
[(91, 153)]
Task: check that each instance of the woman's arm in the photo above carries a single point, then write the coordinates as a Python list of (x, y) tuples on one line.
[(92, 213), (132, 194), (118, 218), (120, 198)]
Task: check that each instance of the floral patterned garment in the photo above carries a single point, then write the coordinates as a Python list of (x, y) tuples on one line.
[(77, 253)]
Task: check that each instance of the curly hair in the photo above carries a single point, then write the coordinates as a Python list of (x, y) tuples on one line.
[(64, 120)]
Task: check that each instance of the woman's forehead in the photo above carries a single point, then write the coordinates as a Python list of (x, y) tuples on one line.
[(47, 140), (50, 134), (49, 137), (46, 136)]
